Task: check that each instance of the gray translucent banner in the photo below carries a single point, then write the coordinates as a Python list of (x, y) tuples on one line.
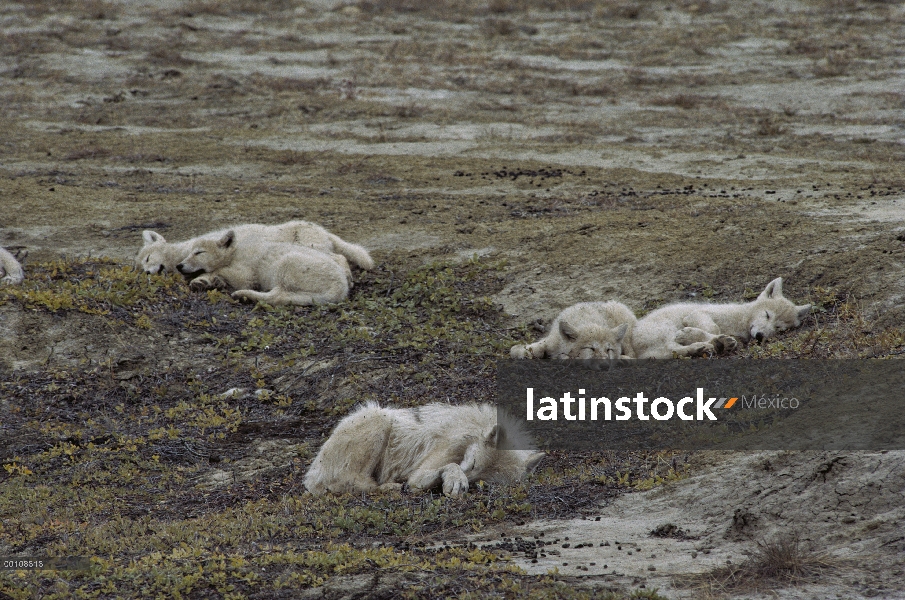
[(779, 404)]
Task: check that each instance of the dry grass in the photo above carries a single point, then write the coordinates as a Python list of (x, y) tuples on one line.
[(781, 562), (686, 101), (767, 127), (291, 158)]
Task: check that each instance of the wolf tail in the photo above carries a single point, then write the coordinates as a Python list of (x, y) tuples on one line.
[(355, 253)]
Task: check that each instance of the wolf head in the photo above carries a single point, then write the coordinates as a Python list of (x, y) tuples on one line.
[(496, 457), (772, 312), (150, 258), (206, 256), (590, 341)]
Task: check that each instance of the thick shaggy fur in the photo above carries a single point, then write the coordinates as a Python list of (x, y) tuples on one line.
[(267, 272), (158, 255), (11, 272), (425, 447), (598, 330), (694, 329)]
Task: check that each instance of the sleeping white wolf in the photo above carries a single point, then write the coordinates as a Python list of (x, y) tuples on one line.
[(10, 270), (694, 329), (427, 446), (267, 272), (598, 330), (157, 255)]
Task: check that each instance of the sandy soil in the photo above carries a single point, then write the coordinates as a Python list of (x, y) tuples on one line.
[(644, 152)]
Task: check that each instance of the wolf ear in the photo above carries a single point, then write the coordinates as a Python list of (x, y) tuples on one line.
[(773, 290), (533, 460), (494, 436), (621, 331), (227, 240), (567, 331), (803, 311), (21, 254), (151, 236)]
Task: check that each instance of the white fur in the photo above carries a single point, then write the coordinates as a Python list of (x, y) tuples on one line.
[(599, 330), (695, 329), (157, 255), (10, 270), (434, 445), (268, 272)]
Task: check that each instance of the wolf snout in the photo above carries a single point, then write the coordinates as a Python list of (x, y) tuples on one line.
[(759, 336)]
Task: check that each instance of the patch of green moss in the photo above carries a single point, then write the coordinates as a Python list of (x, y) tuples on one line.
[(94, 286)]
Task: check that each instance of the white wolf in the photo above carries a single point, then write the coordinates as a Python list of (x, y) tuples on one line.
[(10, 270), (157, 255), (599, 330), (285, 273), (694, 329), (434, 445)]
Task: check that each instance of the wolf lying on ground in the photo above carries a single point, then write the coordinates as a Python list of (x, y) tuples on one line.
[(599, 330), (284, 273), (694, 329), (157, 255), (434, 445), (10, 270)]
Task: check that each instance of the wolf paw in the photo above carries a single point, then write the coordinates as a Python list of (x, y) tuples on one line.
[(696, 349), (205, 282), (519, 351), (200, 284), (455, 483), (724, 343), (242, 295)]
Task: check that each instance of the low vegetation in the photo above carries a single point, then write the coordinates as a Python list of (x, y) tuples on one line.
[(177, 488)]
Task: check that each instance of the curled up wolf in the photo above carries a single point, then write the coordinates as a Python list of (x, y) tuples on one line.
[(436, 445)]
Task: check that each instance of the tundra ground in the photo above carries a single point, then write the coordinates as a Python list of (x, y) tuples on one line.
[(502, 160)]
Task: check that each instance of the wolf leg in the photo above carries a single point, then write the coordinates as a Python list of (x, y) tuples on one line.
[(535, 350), (424, 479), (454, 480), (701, 321), (695, 349), (691, 335), (688, 336)]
